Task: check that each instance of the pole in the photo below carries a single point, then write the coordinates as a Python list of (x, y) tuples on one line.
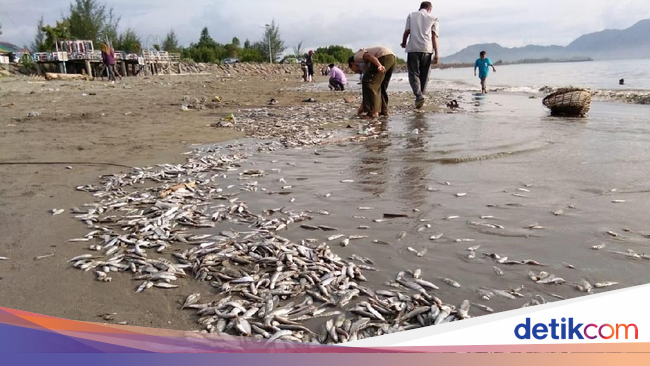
[(270, 51)]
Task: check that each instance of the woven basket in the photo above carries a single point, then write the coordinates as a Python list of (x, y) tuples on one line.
[(572, 102)]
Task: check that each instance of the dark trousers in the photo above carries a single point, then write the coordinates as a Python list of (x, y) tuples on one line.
[(419, 64), (375, 85), (310, 70), (337, 85)]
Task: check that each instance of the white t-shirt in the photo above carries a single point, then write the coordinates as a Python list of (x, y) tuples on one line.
[(421, 24)]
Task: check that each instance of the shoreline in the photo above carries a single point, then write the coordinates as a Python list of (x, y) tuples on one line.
[(168, 134), (138, 122)]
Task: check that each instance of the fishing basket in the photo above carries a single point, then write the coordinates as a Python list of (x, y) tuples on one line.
[(571, 102)]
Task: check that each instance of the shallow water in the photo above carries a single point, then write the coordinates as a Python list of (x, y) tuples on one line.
[(525, 77), (504, 146)]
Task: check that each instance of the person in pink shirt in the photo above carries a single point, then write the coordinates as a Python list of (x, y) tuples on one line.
[(337, 78)]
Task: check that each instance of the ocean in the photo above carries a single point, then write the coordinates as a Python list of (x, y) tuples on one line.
[(530, 78)]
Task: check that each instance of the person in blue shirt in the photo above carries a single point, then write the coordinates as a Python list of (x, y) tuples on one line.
[(483, 65)]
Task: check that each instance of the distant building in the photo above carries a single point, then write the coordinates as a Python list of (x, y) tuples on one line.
[(12, 52)]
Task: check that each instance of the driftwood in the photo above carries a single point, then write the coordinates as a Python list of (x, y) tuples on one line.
[(56, 76)]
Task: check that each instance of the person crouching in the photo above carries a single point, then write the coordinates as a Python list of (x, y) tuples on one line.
[(337, 78), (377, 65)]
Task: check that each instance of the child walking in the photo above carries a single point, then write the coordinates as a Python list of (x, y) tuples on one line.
[(483, 65)]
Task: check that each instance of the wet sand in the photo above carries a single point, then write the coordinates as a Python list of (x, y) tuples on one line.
[(138, 122), (497, 147)]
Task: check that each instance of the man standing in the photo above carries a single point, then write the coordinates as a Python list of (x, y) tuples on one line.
[(310, 66), (422, 28)]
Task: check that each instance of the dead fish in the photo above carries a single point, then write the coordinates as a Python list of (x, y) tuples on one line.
[(584, 286), (81, 257), (357, 237), (463, 310), (401, 235), (309, 227), (380, 242), (57, 211), (598, 247), (426, 284), (558, 213), (422, 253), (450, 282), (44, 256), (345, 242), (498, 271), (613, 234), (505, 294), (366, 208), (483, 307), (79, 240), (327, 228), (436, 237), (605, 284), (568, 265), (191, 300), (459, 195), (449, 218), (619, 201), (335, 237), (347, 181)]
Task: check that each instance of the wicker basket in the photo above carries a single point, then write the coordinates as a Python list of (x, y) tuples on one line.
[(571, 102)]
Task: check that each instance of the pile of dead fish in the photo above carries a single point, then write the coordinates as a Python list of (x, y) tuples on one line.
[(292, 126), (267, 285)]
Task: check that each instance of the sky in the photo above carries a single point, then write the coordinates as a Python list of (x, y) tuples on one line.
[(355, 24)]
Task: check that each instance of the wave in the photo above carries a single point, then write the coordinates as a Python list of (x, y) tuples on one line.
[(629, 96)]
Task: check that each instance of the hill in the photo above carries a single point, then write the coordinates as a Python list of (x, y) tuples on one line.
[(632, 42)]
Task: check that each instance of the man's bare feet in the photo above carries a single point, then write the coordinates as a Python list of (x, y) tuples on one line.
[(370, 116)]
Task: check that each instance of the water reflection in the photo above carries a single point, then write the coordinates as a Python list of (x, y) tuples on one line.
[(412, 177)]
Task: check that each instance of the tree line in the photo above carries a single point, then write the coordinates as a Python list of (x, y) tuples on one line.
[(93, 20)]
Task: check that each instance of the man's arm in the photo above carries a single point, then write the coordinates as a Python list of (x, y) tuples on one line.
[(434, 39), (375, 61), (405, 37), (407, 31)]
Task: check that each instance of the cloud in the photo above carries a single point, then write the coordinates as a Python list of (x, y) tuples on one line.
[(363, 23)]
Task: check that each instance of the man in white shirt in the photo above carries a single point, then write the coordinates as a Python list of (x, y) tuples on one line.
[(422, 35)]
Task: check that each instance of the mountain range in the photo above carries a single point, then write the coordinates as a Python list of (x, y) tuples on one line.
[(630, 43)]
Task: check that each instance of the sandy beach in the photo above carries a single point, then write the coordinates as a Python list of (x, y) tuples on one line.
[(97, 128), (525, 191)]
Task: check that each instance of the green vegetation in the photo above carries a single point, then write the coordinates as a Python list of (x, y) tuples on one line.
[(128, 42), (332, 55), (93, 20), (170, 44)]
